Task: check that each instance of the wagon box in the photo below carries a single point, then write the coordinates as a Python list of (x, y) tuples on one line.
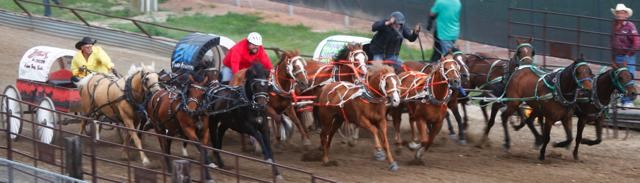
[(36, 81)]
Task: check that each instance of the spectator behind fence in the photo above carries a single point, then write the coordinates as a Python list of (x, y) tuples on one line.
[(624, 42), (47, 6), (446, 13)]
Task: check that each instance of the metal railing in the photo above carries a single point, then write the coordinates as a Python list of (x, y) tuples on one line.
[(100, 166)]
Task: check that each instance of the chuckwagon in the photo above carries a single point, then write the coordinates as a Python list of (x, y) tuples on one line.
[(44, 79)]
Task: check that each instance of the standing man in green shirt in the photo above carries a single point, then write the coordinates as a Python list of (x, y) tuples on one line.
[(446, 13)]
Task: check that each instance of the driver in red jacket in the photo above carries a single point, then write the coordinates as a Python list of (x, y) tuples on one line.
[(243, 54)]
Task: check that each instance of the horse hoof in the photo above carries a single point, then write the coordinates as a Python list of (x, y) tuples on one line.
[(453, 137), (394, 166), (413, 146), (506, 147), (210, 181), (212, 165), (330, 163), (280, 177), (419, 153), (463, 142), (379, 155), (306, 142)]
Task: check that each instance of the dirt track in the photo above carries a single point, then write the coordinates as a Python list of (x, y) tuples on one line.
[(614, 160)]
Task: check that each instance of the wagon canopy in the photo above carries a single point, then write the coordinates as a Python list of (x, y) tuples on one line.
[(191, 49), (37, 62)]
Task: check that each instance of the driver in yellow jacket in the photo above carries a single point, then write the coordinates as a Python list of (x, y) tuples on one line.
[(90, 58)]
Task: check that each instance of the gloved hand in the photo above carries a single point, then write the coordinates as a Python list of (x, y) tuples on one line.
[(417, 29), (83, 68), (390, 21)]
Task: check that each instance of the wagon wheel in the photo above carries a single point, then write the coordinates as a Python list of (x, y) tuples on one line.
[(16, 110), (47, 121)]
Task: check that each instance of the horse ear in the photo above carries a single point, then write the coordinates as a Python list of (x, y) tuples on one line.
[(530, 39)]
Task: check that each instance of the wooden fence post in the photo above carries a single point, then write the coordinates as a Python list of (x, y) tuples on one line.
[(73, 157), (181, 171)]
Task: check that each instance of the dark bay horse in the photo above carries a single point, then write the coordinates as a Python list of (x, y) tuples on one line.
[(242, 109), (618, 78), (427, 96), (364, 104), (551, 95), (174, 111)]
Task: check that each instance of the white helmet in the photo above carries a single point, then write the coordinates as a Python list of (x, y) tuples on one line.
[(255, 38)]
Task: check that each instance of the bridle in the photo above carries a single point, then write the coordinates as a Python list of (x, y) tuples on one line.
[(362, 61), (300, 63), (517, 55), (616, 82), (455, 70), (257, 95)]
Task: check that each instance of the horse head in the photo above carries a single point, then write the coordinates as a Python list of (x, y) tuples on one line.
[(358, 56), (257, 85), (622, 80), (582, 75), (461, 59), (144, 78), (450, 69), (295, 68), (524, 52), (195, 92), (212, 74), (384, 80)]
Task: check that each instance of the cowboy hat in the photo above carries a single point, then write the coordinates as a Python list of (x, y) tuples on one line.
[(85, 41), (622, 7)]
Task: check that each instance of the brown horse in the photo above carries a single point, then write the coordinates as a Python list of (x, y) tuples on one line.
[(174, 111), (457, 88), (288, 76), (551, 95), (617, 78), (119, 99), (364, 105), (350, 63), (427, 96)]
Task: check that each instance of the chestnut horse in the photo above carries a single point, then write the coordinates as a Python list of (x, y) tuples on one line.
[(456, 86), (174, 111), (288, 75), (551, 95), (364, 104), (427, 96), (119, 99)]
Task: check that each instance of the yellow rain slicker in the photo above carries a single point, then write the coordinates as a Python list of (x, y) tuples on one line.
[(98, 61)]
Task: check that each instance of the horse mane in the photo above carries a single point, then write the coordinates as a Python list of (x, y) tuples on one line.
[(133, 69), (344, 52), (289, 54), (256, 70)]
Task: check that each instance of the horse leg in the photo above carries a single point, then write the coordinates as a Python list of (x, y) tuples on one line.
[(523, 119), (512, 107), (598, 126), (396, 116), (566, 124), (304, 134), (532, 128), (461, 126), (218, 134), (581, 124), (465, 119), (452, 133), (492, 119), (328, 130), (128, 122), (277, 120), (262, 136), (546, 136), (379, 153), (483, 108), (385, 143), (422, 129)]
